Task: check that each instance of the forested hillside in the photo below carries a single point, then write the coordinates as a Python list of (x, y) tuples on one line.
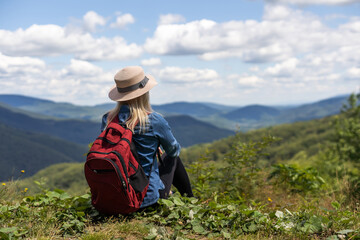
[(31, 152), (301, 137), (77, 131), (189, 131)]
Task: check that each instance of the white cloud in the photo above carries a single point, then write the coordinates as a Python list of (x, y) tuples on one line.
[(81, 68), (110, 49), (171, 19), (123, 20), (282, 34), (283, 69), (80, 82), (278, 12), (302, 54), (53, 40), (151, 62), (354, 72), (247, 81), (314, 2), (17, 65), (187, 75), (91, 20), (254, 69), (352, 26), (181, 39)]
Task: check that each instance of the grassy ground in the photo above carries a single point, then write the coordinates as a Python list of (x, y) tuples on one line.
[(57, 215)]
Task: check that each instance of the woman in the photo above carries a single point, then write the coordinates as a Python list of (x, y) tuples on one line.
[(131, 92)]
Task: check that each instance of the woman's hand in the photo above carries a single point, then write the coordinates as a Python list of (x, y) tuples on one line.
[(160, 151)]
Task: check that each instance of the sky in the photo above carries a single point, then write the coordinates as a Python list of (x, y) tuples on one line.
[(235, 52)]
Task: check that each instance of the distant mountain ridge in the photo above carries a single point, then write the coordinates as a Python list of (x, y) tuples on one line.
[(222, 116), (253, 112), (83, 131), (186, 108), (323, 108), (77, 131), (20, 100), (54, 109)]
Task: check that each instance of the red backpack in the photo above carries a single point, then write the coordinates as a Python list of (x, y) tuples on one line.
[(117, 181)]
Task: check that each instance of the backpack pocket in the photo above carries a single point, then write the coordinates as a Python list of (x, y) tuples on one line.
[(139, 181)]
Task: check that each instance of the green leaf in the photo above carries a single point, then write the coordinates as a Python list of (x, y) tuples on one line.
[(231, 207), (346, 231), (199, 229), (8, 230), (174, 215), (335, 205), (168, 203), (178, 201), (226, 234), (150, 237), (253, 227), (153, 233), (333, 237)]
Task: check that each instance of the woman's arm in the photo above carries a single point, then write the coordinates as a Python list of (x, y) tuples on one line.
[(166, 138)]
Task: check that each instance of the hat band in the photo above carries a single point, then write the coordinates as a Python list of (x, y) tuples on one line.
[(140, 84)]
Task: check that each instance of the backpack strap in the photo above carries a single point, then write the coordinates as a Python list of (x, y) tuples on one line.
[(133, 148)]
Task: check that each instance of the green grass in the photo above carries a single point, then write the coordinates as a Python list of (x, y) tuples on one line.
[(56, 215)]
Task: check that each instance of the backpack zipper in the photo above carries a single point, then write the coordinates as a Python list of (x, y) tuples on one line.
[(117, 169), (113, 143), (120, 159), (133, 166)]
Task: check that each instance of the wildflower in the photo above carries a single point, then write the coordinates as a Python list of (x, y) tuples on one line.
[(26, 189), (269, 199), (4, 184), (22, 171)]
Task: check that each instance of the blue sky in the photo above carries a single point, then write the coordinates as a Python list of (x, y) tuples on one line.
[(230, 52)]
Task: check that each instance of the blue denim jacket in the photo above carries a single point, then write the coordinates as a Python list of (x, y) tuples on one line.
[(157, 133)]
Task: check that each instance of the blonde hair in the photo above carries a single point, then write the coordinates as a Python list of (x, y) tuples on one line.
[(139, 109)]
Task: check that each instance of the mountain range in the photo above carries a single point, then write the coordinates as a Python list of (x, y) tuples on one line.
[(222, 116), (36, 133)]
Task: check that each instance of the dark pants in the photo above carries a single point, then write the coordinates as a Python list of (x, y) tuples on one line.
[(172, 172)]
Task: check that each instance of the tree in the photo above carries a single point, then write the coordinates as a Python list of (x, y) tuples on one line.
[(347, 145), (348, 131)]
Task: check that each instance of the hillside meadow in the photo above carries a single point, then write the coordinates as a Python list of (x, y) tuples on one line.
[(292, 181)]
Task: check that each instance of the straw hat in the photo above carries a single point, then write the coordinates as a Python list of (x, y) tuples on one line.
[(131, 82)]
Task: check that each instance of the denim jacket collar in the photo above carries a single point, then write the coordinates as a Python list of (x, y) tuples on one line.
[(124, 109)]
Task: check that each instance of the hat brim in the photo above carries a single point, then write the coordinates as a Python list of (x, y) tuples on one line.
[(119, 97)]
